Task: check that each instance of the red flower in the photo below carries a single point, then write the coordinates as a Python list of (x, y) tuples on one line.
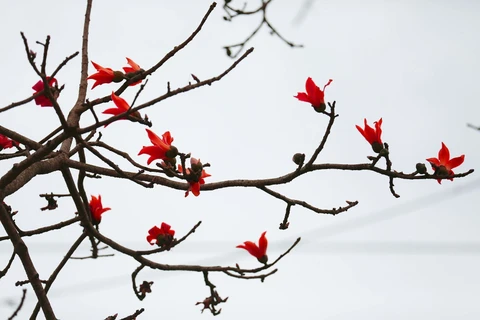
[(122, 106), (161, 236), (6, 143), (133, 68), (195, 176), (105, 75), (162, 148), (42, 100), (443, 165), (314, 95), (373, 136), (97, 209), (260, 251)]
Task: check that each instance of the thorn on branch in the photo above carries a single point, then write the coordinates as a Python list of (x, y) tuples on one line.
[(195, 78)]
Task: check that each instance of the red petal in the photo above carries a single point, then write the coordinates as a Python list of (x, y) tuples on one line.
[(157, 141), (97, 66), (113, 111), (167, 138), (262, 244), (315, 94), (120, 102), (434, 161), (154, 152), (378, 130), (251, 248), (455, 162), (444, 154), (195, 188), (38, 86), (302, 96), (132, 63), (311, 87)]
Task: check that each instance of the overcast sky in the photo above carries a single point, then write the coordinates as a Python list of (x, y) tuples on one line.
[(413, 63)]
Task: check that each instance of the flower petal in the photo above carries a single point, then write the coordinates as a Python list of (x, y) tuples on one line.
[(434, 162), (302, 96), (455, 162), (251, 248), (120, 102), (444, 154), (263, 244), (154, 152)]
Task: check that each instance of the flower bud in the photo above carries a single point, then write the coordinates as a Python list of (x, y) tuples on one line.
[(298, 158), (421, 168), (196, 166)]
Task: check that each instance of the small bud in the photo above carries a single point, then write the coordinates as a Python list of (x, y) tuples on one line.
[(421, 168), (196, 166), (298, 158)]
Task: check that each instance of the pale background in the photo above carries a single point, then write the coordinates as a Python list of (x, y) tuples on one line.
[(414, 63)]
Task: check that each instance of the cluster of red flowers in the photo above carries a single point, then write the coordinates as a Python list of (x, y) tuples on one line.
[(108, 75), (442, 165), (162, 148)]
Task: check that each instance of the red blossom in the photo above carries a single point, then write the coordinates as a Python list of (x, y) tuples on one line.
[(443, 165), (97, 209), (373, 136), (314, 95), (160, 236), (162, 147), (122, 106), (260, 251), (133, 68), (105, 75), (194, 177), (42, 100), (6, 143)]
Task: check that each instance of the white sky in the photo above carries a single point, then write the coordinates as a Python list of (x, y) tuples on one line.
[(414, 63)]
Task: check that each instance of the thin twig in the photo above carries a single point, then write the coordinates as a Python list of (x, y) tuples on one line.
[(20, 305)]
